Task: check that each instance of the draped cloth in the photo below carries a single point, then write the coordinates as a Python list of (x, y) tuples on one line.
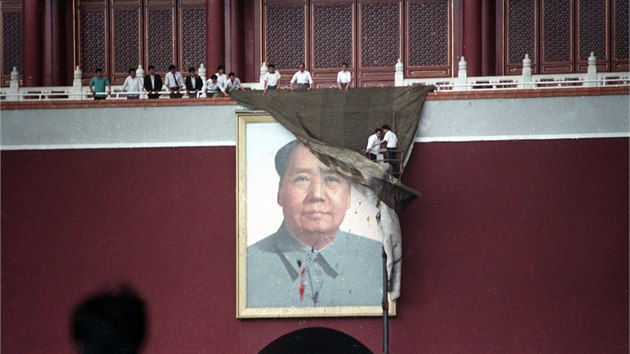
[(334, 125)]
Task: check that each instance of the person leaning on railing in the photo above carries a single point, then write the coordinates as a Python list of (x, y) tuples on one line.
[(212, 87), (174, 81), (194, 83), (271, 79), (232, 84), (153, 83), (302, 78), (99, 85), (133, 84)]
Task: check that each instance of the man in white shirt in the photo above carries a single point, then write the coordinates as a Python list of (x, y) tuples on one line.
[(174, 81), (344, 77), (233, 84), (221, 77), (212, 87), (303, 79), (374, 145), (271, 79), (391, 141), (133, 84)]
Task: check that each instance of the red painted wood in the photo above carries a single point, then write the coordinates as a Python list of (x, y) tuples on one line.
[(32, 27), (215, 35), (472, 41)]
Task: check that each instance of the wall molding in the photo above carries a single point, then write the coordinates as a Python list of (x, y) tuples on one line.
[(158, 126)]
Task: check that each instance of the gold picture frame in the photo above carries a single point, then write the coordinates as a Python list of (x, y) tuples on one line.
[(259, 215)]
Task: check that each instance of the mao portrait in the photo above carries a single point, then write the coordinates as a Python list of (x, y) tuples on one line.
[(310, 261)]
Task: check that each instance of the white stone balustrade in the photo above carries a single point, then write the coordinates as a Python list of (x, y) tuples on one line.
[(460, 83), (525, 81)]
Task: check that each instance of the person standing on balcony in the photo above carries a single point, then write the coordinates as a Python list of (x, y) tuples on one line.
[(174, 81), (221, 77), (99, 85), (193, 82), (302, 78), (133, 84), (271, 79), (391, 143), (344, 77), (153, 83)]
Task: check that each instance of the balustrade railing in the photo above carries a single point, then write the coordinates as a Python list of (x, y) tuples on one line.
[(460, 83), (524, 81)]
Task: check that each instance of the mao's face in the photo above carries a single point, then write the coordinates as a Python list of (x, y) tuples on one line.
[(313, 197)]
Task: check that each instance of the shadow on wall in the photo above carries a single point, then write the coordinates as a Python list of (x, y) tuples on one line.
[(316, 340), (112, 321)]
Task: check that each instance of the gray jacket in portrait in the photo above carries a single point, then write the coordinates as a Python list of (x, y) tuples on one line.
[(282, 272)]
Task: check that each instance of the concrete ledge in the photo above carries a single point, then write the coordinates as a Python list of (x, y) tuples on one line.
[(477, 116)]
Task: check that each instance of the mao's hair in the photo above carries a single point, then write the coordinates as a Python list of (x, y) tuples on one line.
[(284, 155)]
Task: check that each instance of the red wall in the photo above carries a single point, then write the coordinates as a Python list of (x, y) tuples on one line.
[(515, 246)]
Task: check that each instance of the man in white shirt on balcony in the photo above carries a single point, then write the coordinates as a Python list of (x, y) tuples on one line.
[(133, 84), (303, 79), (212, 87), (344, 77), (174, 81), (221, 77), (233, 84), (271, 79), (374, 145)]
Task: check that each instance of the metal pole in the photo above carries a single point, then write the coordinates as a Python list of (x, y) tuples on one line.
[(385, 304)]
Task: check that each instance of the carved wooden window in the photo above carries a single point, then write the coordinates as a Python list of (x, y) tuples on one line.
[(559, 35), (116, 35)]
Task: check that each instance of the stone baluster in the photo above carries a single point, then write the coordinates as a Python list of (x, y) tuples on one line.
[(263, 71), (202, 74), (140, 71), (462, 76), (527, 73), (591, 74), (399, 76), (77, 85), (140, 74), (14, 86)]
